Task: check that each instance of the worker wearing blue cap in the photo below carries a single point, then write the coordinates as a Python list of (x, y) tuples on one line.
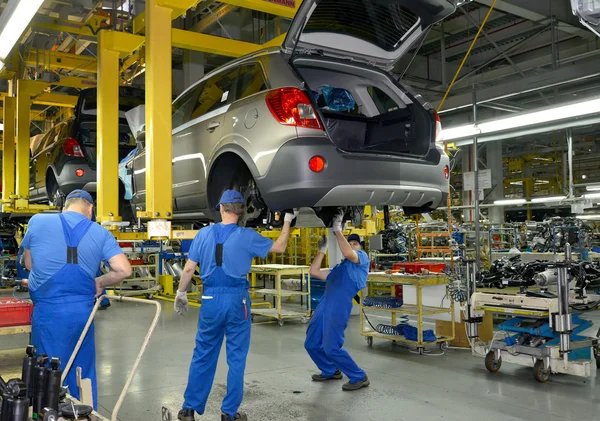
[(63, 252), (325, 333), (225, 252)]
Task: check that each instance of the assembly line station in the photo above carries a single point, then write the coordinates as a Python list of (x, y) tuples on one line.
[(483, 250)]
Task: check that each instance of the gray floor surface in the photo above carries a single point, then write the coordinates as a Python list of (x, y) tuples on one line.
[(404, 386)]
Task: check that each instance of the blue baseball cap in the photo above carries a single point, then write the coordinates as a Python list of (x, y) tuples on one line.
[(80, 193), (354, 237), (230, 196)]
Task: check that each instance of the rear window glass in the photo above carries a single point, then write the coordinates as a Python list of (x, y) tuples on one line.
[(214, 93), (89, 134), (374, 21), (382, 101), (250, 81)]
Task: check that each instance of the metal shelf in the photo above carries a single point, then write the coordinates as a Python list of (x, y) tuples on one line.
[(283, 292), (412, 309)]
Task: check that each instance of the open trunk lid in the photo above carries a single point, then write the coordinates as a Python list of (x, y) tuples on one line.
[(377, 32)]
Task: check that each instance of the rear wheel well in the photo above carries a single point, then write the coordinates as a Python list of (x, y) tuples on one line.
[(227, 170), (51, 183)]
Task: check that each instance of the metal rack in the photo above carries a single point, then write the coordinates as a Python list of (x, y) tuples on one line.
[(379, 280), (143, 281), (278, 293)]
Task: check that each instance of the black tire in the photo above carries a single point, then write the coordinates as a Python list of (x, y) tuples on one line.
[(491, 363), (369, 341), (540, 373), (58, 198)]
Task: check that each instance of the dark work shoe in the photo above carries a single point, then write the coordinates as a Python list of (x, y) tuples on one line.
[(321, 378), (358, 385), (186, 415), (239, 416)]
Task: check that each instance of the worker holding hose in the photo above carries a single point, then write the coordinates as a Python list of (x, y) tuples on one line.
[(225, 252), (63, 252), (325, 333)]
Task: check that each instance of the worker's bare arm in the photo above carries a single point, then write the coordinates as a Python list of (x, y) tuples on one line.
[(27, 259), (315, 267), (280, 244), (120, 269), (346, 249), (186, 277)]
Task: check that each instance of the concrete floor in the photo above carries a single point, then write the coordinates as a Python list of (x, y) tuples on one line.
[(404, 386)]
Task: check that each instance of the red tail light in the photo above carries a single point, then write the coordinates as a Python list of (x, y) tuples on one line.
[(446, 172), (316, 163), (438, 128), (71, 148), (292, 107)]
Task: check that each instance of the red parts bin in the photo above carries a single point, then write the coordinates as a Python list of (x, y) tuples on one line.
[(418, 267), (15, 312)]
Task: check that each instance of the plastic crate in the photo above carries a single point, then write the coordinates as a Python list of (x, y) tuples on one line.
[(15, 312), (418, 267)]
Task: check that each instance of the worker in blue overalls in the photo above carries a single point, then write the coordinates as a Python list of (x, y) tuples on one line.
[(63, 252), (225, 252), (325, 333)]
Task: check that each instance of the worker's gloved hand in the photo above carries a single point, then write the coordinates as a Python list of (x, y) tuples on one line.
[(337, 222), (99, 287), (323, 244), (289, 217), (181, 302)]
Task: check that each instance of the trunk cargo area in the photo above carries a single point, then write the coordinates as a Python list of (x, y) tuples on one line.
[(363, 110)]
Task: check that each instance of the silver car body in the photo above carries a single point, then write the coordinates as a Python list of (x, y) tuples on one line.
[(223, 126)]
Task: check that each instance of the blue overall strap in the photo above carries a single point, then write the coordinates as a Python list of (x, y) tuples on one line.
[(73, 236), (221, 233)]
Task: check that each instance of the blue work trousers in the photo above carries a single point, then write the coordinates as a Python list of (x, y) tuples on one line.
[(225, 312), (325, 339)]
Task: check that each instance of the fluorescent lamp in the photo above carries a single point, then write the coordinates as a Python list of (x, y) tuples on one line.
[(587, 217), (510, 202), (460, 131), (577, 109), (591, 196), (548, 199), (1, 126), (14, 19), (1, 65), (595, 187)]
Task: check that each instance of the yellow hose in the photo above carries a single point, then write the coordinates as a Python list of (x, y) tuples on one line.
[(466, 55)]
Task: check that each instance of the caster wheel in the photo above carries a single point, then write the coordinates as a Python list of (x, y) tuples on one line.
[(304, 320), (540, 373), (369, 340), (149, 296), (444, 346), (491, 363), (280, 322)]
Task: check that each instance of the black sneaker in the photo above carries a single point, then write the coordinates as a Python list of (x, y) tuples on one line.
[(186, 415), (358, 385), (321, 378), (239, 416)]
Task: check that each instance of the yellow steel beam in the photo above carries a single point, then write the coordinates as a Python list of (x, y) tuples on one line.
[(26, 90), (8, 150), (88, 29), (212, 44), (55, 100), (177, 8), (283, 8), (275, 42), (212, 18), (35, 115), (159, 152), (54, 60), (109, 43), (76, 82)]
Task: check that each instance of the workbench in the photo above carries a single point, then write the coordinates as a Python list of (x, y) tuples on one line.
[(278, 293), (382, 281)]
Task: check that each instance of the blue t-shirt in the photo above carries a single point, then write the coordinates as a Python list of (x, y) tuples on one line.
[(46, 241), (356, 273), (242, 245)]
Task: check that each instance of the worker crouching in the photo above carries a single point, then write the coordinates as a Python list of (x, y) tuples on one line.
[(225, 252), (325, 333)]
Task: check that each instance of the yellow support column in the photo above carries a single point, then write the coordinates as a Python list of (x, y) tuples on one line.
[(108, 130), (8, 151), (159, 171)]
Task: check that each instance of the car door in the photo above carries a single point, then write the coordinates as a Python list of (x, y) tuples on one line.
[(371, 31), (194, 141)]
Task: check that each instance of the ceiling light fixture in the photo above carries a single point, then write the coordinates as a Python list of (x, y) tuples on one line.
[(587, 217), (510, 202), (591, 196), (577, 109), (14, 19), (548, 199), (593, 187)]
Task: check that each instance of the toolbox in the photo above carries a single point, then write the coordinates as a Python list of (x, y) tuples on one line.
[(15, 312)]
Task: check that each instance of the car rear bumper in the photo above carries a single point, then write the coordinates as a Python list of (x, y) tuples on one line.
[(350, 179), (69, 181)]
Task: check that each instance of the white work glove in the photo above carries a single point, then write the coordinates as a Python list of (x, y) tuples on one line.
[(323, 244), (289, 217), (337, 222), (181, 302)]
